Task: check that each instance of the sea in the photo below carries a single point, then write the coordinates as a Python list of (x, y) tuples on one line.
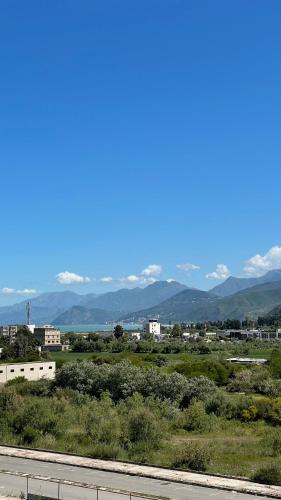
[(95, 328)]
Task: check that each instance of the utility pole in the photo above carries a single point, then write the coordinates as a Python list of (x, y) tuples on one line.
[(28, 312)]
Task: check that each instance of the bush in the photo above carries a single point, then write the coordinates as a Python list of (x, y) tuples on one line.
[(200, 388), (30, 435), (272, 442), (102, 422), (143, 429), (268, 475), (275, 413), (196, 419), (9, 400), (16, 381), (193, 456), (122, 380), (105, 451), (220, 405)]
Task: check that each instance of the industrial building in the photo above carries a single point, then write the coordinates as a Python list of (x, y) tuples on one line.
[(35, 370)]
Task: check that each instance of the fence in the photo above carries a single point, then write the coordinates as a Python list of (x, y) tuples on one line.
[(31, 487)]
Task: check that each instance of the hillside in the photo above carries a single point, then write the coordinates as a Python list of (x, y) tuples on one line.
[(187, 304), (48, 307), (44, 308), (191, 305), (79, 315), (274, 313), (233, 285), (119, 303), (126, 300)]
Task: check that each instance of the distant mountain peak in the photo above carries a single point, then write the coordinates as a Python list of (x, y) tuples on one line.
[(233, 285)]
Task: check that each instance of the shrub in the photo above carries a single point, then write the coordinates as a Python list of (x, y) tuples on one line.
[(16, 381), (29, 435), (249, 414), (121, 380), (272, 442), (268, 475), (196, 419), (220, 405), (143, 429), (200, 388), (104, 451), (9, 400), (103, 422), (193, 456)]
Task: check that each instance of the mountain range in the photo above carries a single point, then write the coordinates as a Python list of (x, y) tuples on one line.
[(190, 305), (69, 307), (232, 284), (236, 298)]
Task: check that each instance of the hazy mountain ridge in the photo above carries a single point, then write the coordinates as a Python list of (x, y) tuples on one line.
[(48, 307), (205, 306), (120, 303), (170, 301), (233, 285), (79, 315)]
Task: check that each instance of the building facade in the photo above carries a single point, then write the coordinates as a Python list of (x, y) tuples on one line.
[(153, 327), (47, 335), (31, 371), (9, 332)]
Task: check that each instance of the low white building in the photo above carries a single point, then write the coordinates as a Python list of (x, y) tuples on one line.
[(134, 335), (153, 327), (31, 371)]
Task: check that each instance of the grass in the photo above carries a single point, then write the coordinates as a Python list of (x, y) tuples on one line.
[(144, 358)]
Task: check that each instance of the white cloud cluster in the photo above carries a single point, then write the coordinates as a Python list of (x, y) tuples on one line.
[(107, 279), (187, 267), (152, 270), (146, 277), (221, 273), (260, 264), (131, 279), (67, 278), (24, 291)]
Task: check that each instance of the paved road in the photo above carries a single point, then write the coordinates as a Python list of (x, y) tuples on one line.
[(15, 485)]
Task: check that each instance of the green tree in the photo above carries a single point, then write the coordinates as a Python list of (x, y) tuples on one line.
[(118, 332), (176, 331)]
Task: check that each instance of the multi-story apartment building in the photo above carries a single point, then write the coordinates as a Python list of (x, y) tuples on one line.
[(47, 335), (9, 331), (153, 327)]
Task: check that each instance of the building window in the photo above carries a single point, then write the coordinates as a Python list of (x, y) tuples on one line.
[(41, 367), (32, 369), (12, 370), (1, 371), (22, 369), (50, 367)]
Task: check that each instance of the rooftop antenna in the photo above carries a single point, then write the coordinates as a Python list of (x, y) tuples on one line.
[(28, 312)]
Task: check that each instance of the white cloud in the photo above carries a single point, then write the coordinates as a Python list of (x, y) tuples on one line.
[(24, 291), (152, 270), (170, 280), (187, 267), (221, 273), (107, 279), (67, 278), (260, 264), (131, 279)]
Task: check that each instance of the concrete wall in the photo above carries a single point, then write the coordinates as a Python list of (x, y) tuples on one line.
[(31, 371)]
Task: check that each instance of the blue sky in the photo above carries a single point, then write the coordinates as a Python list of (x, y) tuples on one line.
[(135, 134)]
